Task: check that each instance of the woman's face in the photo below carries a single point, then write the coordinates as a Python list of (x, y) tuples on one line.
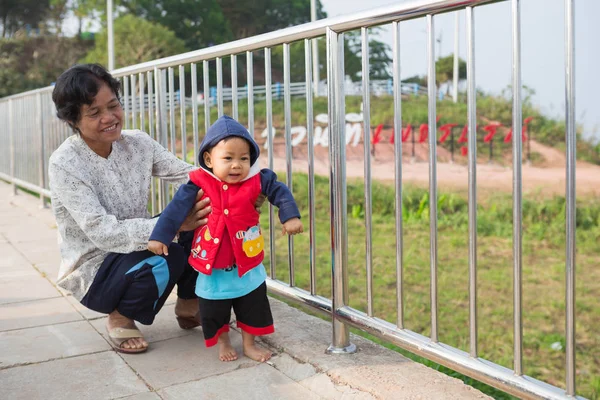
[(100, 122)]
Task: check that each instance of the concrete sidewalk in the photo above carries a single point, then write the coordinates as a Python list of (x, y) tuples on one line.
[(51, 347)]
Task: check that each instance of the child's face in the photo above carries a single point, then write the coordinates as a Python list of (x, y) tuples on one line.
[(229, 159)]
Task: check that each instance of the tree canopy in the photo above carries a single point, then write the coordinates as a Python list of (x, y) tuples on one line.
[(139, 41)]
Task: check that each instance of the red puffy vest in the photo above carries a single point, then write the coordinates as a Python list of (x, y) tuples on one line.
[(233, 214)]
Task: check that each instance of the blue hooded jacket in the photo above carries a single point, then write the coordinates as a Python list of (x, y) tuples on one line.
[(177, 210), (225, 127)]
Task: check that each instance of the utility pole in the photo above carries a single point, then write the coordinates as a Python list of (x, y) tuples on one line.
[(111, 41), (315, 49), (455, 72)]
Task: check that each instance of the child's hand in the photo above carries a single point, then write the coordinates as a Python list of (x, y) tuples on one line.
[(158, 248), (293, 226)]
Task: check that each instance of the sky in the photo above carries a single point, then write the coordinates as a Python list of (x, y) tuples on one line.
[(542, 50)]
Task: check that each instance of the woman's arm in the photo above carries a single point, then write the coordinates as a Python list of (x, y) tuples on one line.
[(104, 230), (167, 166)]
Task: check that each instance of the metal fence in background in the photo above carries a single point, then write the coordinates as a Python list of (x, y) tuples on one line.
[(33, 132)]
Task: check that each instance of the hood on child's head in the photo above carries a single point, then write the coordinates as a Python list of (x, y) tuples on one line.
[(225, 127)]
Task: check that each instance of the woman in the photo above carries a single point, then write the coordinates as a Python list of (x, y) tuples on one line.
[(100, 182)]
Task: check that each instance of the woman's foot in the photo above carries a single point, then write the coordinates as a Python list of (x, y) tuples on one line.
[(116, 320), (251, 350), (187, 312), (226, 351)]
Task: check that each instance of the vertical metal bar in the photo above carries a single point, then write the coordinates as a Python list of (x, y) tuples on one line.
[(455, 66), (151, 131), (269, 107), (182, 113), (250, 80), (109, 29), (431, 91), (161, 124), (366, 100), (133, 102), (220, 86), (312, 262), (571, 158), (172, 108), (517, 188), (11, 131), (398, 175), (287, 107), (40, 123), (126, 100), (472, 150), (142, 105), (194, 82), (234, 93), (206, 83), (315, 49), (337, 186)]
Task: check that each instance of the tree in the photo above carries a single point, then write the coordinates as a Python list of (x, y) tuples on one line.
[(444, 70), (260, 16), (199, 23), (18, 14), (138, 41)]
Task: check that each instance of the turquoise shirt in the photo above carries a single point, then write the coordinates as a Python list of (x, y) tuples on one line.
[(226, 284)]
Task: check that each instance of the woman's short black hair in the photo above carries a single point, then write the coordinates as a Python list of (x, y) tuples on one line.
[(77, 86)]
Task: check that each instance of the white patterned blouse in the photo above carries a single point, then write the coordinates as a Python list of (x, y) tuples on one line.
[(100, 204)]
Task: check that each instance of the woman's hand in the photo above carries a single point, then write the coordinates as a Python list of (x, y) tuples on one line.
[(259, 202), (293, 226), (158, 248), (197, 216)]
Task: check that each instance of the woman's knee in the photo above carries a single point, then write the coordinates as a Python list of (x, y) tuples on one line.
[(176, 259)]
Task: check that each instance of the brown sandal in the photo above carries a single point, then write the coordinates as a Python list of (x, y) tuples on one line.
[(189, 322), (118, 336)]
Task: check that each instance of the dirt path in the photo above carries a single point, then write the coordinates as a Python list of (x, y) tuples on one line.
[(543, 180)]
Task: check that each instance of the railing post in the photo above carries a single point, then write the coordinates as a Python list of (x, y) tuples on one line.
[(40, 117), (11, 132), (337, 186), (571, 196)]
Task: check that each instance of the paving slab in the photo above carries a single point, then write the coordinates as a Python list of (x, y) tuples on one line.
[(96, 376), (142, 396), (164, 327), (45, 251), (49, 270), (372, 369), (12, 258), (83, 310), (23, 233), (37, 313), (184, 359), (260, 382), (293, 369), (25, 286), (322, 385), (49, 342)]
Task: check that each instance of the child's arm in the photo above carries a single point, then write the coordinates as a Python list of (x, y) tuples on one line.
[(280, 196), (172, 217)]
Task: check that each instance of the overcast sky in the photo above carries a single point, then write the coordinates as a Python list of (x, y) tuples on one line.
[(542, 33)]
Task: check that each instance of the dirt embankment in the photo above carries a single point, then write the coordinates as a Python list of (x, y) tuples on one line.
[(548, 177)]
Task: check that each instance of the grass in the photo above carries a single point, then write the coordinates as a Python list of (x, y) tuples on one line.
[(543, 273)]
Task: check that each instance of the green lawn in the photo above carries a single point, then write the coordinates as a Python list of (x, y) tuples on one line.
[(543, 273)]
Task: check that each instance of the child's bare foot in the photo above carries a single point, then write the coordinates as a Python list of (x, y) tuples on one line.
[(226, 351), (252, 351)]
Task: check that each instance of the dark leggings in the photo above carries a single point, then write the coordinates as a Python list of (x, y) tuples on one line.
[(138, 284)]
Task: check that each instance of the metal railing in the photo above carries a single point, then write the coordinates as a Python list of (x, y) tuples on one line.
[(34, 132)]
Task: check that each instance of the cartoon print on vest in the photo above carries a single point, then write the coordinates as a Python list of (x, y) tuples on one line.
[(254, 243), (197, 250)]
